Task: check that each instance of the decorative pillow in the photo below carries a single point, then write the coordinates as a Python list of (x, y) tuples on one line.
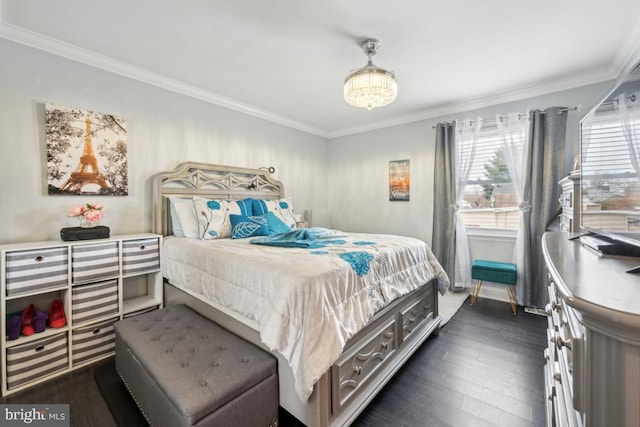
[(183, 218), (276, 225), (248, 226), (282, 208), (246, 206), (213, 217), (175, 221)]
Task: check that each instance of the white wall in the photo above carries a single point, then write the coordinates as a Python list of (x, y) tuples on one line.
[(359, 166), (164, 129)]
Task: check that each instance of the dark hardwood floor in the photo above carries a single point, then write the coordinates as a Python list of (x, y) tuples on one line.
[(78, 388), (484, 369)]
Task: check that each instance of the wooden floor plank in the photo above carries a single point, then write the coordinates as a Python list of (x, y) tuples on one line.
[(79, 390)]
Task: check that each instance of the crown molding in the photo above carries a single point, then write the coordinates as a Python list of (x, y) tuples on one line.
[(628, 56), (622, 61), (66, 50), (517, 94)]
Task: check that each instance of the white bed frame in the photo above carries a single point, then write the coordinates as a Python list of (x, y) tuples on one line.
[(369, 359)]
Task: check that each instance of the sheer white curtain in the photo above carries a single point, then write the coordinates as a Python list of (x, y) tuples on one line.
[(467, 133), (628, 108), (514, 131)]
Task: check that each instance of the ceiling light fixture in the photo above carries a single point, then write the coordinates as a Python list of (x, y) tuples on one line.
[(370, 86)]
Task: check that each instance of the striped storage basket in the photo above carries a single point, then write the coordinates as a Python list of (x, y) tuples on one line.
[(140, 256), (37, 359), (141, 311), (36, 270), (94, 262), (94, 301), (92, 341)]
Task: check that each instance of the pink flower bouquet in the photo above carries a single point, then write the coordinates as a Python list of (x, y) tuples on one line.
[(90, 214)]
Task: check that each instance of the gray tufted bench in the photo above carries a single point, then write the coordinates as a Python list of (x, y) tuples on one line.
[(184, 370)]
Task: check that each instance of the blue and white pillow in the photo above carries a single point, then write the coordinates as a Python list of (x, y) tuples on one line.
[(246, 206), (213, 216), (282, 208), (276, 225), (248, 226)]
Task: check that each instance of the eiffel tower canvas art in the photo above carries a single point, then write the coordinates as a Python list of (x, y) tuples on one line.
[(86, 152)]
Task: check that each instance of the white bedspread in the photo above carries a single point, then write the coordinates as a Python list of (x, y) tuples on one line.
[(306, 302)]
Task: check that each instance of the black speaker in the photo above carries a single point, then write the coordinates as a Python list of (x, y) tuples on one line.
[(81, 233)]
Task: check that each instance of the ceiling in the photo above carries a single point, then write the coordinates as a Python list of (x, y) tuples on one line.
[(286, 60)]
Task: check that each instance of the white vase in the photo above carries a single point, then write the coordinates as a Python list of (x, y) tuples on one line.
[(85, 223)]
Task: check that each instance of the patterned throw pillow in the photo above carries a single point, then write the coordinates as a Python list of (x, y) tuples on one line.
[(246, 206), (213, 216), (282, 208), (248, 226)]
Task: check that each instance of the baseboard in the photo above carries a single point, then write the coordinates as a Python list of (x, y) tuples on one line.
[(535, 310), (499, 293)]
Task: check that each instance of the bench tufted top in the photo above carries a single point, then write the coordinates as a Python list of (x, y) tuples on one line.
[(196, 363)]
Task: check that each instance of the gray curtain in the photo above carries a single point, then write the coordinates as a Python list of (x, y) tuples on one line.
[(444, 197), (547, 137)]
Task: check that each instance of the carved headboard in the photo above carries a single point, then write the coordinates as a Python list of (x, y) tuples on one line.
[(190, 179)]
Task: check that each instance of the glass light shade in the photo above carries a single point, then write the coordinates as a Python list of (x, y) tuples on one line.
[(370, 87)]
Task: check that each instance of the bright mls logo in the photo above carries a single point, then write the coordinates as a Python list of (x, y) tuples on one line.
[(34, 415)]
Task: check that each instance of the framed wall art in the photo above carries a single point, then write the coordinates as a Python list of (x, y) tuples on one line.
[(86, 152), (399, 180)]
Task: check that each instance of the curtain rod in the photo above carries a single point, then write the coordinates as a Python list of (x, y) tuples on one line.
[(493, 121), (631, 98)]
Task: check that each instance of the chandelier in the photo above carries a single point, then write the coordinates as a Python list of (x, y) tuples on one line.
[(370, 86)]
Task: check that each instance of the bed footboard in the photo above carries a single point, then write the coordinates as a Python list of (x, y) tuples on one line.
[(369, 360)]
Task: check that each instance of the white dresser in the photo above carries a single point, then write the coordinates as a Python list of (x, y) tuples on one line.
[(593, 355), (98, 282)]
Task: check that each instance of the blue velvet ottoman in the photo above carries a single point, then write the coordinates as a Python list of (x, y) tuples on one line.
[(184, 370), (497, 272)]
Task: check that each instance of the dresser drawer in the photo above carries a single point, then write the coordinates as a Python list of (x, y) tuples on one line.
[(37, 359), (554, 308), (36, 270), (94, 301), (549, 391), (416, 311), (94, 262), (560, 418), (566, 223), (353, 370), (566, 200), (93, 341), (140, 256)]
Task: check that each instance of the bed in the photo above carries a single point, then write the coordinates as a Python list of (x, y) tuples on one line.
[(341, 316)]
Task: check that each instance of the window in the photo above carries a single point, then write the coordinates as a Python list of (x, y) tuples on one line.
[(610, 169), (490, 199)]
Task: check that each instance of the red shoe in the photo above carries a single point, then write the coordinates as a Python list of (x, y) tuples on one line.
[(57, 318), (27, 320)]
